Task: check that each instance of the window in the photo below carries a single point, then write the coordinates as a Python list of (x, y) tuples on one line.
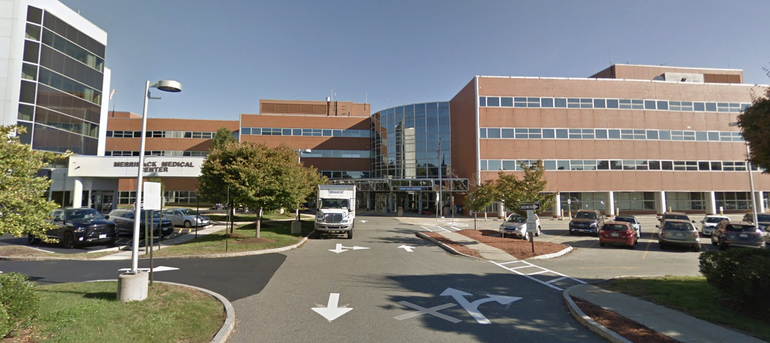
[(649, 104), (482, 133), (506, 102), (560, 102), (612, 103), (652, 134), (506, 133), (601, 133), (561, 133), (653, 165), (599, 103), (493, 101), (549, 133), (493, 133), (482, 101), (546, 102)]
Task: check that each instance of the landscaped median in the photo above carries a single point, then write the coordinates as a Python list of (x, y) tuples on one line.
[(518, 248)]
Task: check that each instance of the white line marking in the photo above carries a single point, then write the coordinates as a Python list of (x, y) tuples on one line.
[(543, 270), (432, 311)]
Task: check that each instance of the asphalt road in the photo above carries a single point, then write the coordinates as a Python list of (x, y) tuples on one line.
[(394, 295), (384, 292)]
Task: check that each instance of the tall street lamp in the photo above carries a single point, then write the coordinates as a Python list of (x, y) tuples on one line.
[(166, 86), (751, 180)]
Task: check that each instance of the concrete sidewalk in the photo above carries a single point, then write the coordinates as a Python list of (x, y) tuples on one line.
[(127, 254), (675, 324)]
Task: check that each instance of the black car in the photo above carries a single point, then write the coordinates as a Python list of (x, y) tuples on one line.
[(124, 221), (585, 221), (79, 226)]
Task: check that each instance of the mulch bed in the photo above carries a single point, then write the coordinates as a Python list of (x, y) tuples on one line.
[(623, 326), (518, 248)]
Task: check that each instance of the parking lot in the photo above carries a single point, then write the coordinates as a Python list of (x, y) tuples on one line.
[(590, 261)]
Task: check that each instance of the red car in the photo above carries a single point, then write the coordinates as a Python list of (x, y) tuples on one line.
[(621, 233)]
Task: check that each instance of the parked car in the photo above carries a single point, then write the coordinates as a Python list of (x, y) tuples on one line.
[(740, 234), (635, 224), (678, 232), (710, 222), (765, 228), (79, 226), (618, 232), (218, 206), (761, 217), (124, 222), (673, 215), (516, 225), (186, 217), (585, 221)]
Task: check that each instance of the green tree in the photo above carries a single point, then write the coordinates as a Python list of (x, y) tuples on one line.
[(223, 137), (480, 197), (755, 123), (256, 176), (527, 190), (23, 205)]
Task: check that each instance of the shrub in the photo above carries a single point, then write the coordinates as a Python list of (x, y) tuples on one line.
[(19, 301), (741, 276)]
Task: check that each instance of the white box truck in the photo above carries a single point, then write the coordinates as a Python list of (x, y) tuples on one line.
[(335, 210)]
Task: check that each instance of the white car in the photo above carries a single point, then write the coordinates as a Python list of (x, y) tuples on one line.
[(635, 224), (516, 225), (186, 217), (710, 222)]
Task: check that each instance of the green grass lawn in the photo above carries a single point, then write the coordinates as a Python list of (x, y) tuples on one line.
[(273, 234), (691, 295), (91, 312)]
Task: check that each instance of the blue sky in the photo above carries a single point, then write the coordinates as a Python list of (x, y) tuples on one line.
[(229, 54)]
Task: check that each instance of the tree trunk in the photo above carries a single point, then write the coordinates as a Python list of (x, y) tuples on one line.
[(259, 222)]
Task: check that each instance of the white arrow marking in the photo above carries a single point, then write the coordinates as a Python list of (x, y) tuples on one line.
[(407, 248), (473, 307), (331, 311), (353, 247), (156, 269), (363, 221), (338, 249), (431, 311)]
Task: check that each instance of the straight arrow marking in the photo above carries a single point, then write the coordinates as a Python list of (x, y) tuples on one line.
[(407, 248), (331, 311), (353, 247), (156, 269), (338, 249)]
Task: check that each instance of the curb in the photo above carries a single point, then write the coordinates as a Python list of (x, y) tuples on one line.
[(442, 245), (588, 322), (553, 255), (220, 255), (227, 328)]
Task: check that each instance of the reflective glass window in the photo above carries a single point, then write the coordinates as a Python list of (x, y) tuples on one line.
[(616, 165), (549, 165), (549, 133), (704, 165), (546, 102), (662, 105), (601, 133), (509, 165), (715, 165), (603, 165), (482, 101), (533, 102), (506, 102), (698, 107), (520, 102), (665, 135), (493, 165), (482, 133), (613, 134), (649, 104), (562, 165), (560, 102), (493, 101), (711, 106), (599, 103), (652, 134), (522, 133), (483, 165), (701, 136), (506, 133), (713, 136), (612, 103), (666, 165), (561, 133), (653, 165), (245, 130), (573, 103), (493, 133)]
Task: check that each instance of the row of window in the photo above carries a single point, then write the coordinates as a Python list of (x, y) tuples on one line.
[(514, 165), (162, 134), (312, 154), (274, 131), (344, 174), (157, 153), (632, 104), (637, 134)]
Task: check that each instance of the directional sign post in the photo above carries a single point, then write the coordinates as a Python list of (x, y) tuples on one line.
[(531, 223), (525, 207)]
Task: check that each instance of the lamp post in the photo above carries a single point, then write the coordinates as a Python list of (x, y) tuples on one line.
[(167, 86), (751, 180)]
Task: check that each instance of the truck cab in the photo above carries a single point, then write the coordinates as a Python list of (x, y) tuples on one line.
[(336, 210)]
